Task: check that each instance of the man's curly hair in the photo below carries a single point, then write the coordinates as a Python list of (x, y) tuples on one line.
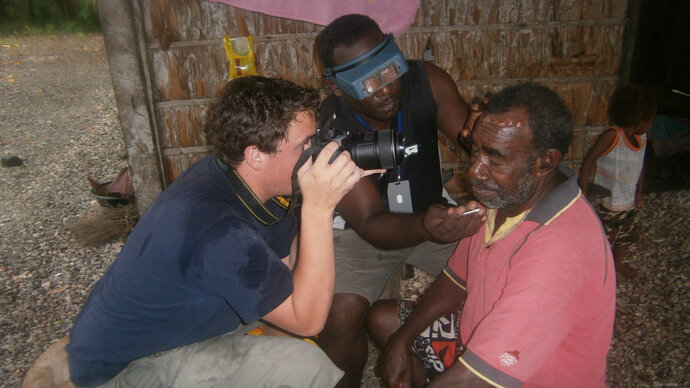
[(547, 116), (257, 111), (343, 31)]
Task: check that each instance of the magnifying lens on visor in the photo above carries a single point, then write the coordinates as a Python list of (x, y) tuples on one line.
[(368, 73)]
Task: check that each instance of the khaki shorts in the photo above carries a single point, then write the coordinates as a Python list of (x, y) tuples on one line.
[(364, 270), (233, 360)]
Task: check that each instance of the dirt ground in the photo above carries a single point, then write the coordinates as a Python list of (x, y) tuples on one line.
[(57, 113)]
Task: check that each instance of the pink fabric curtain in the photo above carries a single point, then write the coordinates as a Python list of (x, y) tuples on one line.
[(393, 16)]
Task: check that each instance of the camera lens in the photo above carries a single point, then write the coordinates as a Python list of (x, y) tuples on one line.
[(374, 150)]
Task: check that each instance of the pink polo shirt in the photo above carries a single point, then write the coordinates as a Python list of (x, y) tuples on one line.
[(541, 295)]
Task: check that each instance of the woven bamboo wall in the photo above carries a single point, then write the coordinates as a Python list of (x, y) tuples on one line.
[(575, 47)]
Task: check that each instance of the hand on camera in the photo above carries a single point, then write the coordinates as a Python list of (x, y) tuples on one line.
[(323, 185)]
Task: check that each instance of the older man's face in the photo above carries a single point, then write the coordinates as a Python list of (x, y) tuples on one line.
[(503, 166)]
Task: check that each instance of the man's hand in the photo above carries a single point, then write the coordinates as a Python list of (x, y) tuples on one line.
[(400, 367), (396, 364), (447, 224), (323, 185), (305, 311)]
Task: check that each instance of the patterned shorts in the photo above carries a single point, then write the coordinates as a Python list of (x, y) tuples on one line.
[(621, 226), (439, 345)]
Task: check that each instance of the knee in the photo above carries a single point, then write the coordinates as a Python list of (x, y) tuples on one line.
[(347, 316), (50, 368), (382, 320)]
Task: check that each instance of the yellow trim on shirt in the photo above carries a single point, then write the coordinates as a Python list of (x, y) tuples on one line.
[(579, 193), (454, 281), (481, 376), (508, 225)]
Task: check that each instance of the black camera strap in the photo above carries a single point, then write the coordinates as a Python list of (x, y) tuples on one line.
[(250, 200), (296, 200)]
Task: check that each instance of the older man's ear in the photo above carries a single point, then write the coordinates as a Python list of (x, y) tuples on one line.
[(548, 161)]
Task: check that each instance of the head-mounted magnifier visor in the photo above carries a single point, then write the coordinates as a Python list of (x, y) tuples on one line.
[(368, 73)]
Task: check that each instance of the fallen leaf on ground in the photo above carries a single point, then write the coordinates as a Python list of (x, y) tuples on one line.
[(21, 276), (58, 290)]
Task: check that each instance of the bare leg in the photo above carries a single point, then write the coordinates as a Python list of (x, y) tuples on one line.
[(622, 268), (344, 337), (382, 321)]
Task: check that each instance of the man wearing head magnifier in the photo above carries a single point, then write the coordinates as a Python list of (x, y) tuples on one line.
[(401, 216), (367, 74)]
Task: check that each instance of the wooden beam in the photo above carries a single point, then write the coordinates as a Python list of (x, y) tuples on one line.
[(128, 73), (629, 39)]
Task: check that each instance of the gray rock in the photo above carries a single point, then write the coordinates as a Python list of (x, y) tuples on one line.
[(12, 161)]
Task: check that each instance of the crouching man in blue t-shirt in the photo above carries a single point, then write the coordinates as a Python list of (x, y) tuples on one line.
[(217, 252)]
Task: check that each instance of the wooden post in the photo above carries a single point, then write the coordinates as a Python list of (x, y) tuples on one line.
[(629, 39), (128, 71)]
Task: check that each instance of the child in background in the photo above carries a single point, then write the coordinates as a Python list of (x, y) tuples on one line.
[(618, 158)]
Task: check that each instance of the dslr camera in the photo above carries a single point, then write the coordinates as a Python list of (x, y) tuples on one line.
[(370, 150)]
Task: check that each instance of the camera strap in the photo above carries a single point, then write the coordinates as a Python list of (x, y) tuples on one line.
[(367, 126), (296, 200), (250, 200)]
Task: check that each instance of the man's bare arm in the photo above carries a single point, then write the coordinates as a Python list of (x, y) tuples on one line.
[(452, 110), (323, 185), (442, 297), (365, 212)]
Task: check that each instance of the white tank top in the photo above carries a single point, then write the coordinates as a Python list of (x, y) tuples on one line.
[(618, 169)]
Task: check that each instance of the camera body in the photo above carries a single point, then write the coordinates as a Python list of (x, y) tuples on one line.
[(370, 150)]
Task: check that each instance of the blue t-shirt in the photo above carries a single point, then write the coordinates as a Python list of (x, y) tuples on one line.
[(196, 265)]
